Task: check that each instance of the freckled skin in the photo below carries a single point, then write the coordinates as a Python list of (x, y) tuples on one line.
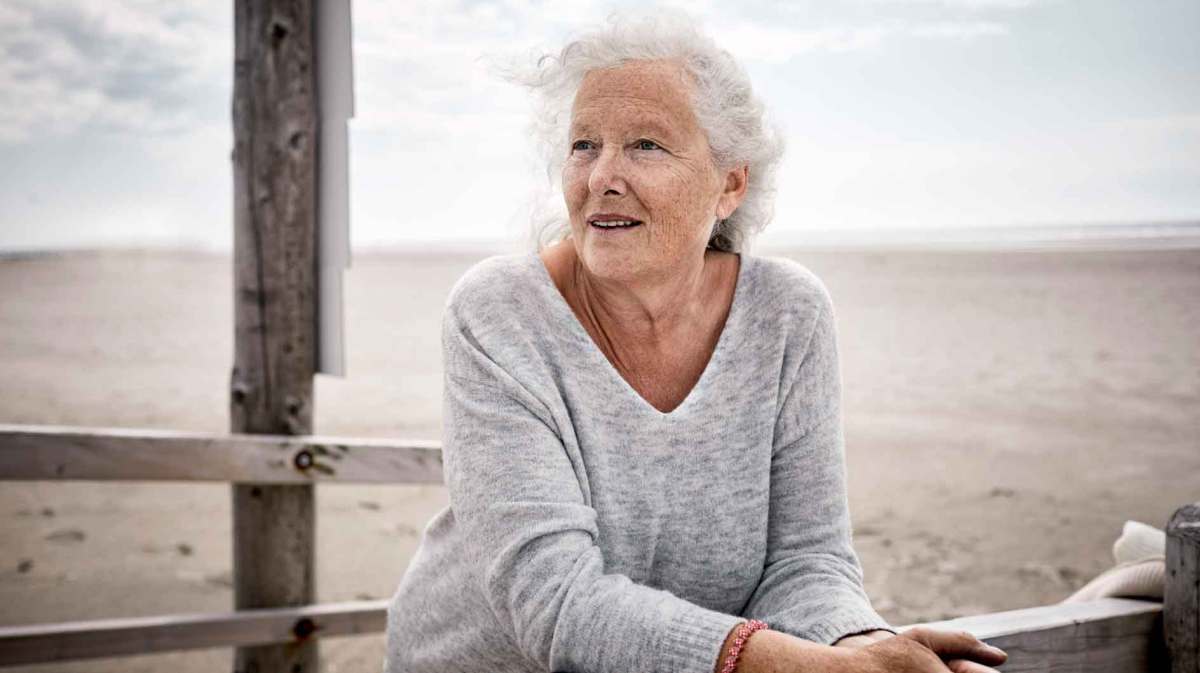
[(676, 191), (652, 298)]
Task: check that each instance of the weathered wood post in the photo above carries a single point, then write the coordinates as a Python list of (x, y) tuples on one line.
[(1181, 601), (271, 387)]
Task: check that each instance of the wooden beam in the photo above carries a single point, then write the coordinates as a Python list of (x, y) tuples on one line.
[(42, 452), (275, 132), (1106, 636), (46, 643), (1111, 635), (1181, 595)]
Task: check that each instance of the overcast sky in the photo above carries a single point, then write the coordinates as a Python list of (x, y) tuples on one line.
[(115, 126)]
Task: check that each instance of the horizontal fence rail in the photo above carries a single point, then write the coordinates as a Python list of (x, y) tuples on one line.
[(47, 643), (1111, 635), (35, 452)]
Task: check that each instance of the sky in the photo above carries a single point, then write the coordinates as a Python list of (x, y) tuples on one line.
[(115, 124)]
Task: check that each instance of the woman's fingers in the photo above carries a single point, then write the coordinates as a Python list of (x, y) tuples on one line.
[(957, 645), (966, 666)]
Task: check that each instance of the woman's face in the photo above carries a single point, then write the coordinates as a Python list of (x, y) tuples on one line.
[(640, 164)]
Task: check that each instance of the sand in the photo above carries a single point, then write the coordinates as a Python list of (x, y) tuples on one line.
[(1005, 413)]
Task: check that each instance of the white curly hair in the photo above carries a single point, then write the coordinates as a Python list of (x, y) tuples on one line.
[(723, 101)]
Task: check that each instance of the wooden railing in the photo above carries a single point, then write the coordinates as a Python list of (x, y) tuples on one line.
[(1111, 635), (52, 453), (67, 641), (1104, 636), (30, 452)]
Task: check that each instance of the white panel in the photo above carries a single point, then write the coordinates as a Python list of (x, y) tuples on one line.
[(335, 100)]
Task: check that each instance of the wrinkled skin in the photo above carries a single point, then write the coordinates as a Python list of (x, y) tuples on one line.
[(925, 650)]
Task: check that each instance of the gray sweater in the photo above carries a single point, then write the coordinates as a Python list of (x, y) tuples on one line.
[(589, 531)]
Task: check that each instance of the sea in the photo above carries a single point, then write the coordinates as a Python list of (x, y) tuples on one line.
[(1174, 235)]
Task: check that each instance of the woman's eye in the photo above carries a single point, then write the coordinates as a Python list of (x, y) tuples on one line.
[(647, 145), (581, 145)]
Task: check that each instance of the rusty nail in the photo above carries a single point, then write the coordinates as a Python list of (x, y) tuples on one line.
[(303, 460), (303, 628)]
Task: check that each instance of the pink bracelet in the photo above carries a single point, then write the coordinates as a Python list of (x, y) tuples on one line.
[(745, 630)]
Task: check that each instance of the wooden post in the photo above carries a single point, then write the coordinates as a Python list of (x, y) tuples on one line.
[(271, 387), (1181, 601)]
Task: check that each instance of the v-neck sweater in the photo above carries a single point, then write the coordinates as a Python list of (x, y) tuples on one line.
[(588, 530)]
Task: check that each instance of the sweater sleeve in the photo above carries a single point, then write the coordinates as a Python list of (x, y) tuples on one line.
[(531, 536), (812, 582)]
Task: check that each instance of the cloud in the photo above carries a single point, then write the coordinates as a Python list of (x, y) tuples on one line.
[(114, 67), (967, 4), (957, 29), (1132, 170), (773, 44), (157, 67), (127, 101)]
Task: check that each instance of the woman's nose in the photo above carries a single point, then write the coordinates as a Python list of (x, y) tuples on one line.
[(608, 174)]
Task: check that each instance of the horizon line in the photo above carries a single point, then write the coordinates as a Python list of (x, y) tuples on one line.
[(1165, 234)]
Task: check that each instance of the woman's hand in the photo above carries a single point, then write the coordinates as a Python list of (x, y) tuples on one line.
[(917, 650), (925, 650)]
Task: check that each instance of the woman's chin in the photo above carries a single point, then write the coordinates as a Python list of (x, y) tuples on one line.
[(609, 262)]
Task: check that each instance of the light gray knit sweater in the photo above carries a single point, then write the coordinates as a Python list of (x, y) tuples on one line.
[(588, 531)]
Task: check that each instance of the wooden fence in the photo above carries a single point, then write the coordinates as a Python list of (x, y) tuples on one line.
[(1104, 636), (272, 462)]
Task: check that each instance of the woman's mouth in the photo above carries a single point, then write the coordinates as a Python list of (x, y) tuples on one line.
[(614, 224)]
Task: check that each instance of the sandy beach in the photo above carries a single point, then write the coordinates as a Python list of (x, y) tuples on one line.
[(1005, 414)]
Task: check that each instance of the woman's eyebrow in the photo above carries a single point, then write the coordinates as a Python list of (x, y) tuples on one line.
[(659, 129), (579, 128)]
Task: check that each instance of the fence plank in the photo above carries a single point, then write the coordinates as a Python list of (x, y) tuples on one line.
[(45, 643), (32, 452), (1112, 635)]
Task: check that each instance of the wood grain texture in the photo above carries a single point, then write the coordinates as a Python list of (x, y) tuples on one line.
[(46, 643), (274, 169), (271, 387), (1181, 595), (1112, 635), (33, 452)]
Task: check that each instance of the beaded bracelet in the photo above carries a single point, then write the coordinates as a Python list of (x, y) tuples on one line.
[(745, 630)]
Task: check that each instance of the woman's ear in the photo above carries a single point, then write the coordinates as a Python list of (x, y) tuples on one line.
[(731, 197)]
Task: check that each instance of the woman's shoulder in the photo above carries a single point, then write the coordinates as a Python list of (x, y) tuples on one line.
[(787, 286), (498, 327), (497, 285), (502, 293)]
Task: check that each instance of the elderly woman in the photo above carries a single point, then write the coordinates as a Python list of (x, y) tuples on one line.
[(643, 442)]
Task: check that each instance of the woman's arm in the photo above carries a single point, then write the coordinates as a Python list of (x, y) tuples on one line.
[(812, 584), (811, 591)]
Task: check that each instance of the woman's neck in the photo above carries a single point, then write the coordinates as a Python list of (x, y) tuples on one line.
[(646, 311)]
